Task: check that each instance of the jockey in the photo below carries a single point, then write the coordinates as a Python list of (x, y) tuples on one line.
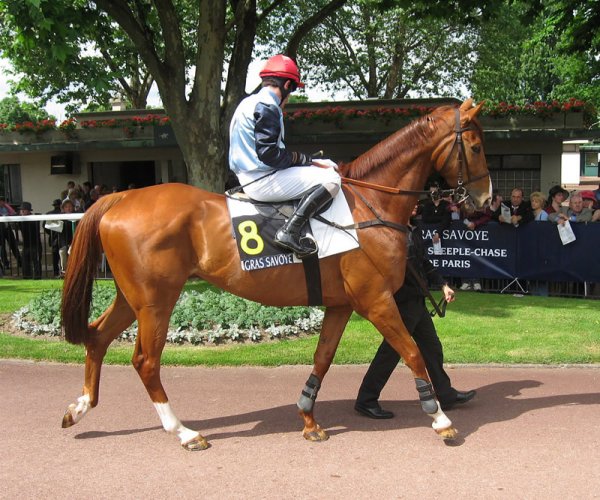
[(265, 168)]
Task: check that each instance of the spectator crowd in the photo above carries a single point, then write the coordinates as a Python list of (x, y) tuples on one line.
[(24, 238), (558, 207)]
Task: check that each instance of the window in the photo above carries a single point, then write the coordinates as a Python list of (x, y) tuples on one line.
[(589, 160), (511, 171), (10, 183)]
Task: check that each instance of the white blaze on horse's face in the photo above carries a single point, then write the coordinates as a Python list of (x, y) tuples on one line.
[(480, 189)]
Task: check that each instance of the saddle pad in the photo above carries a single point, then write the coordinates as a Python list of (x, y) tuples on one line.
[(255, 234)]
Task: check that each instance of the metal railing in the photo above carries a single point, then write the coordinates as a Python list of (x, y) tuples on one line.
[(575, 289), (37, 258)]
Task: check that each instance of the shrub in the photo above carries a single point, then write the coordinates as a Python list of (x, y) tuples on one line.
[(207, 317)]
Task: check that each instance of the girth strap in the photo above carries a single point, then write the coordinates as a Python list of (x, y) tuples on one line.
[(312, 276)]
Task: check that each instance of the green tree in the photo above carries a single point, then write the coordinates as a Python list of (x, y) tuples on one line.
[(497, 68), (577, 78), (390, 48), (573, 25), (368, 52), (89, 59), (13, 111), (190, 47), (524, 58), (574, 21)]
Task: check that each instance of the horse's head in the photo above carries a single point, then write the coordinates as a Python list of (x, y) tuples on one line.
[(459, 157)]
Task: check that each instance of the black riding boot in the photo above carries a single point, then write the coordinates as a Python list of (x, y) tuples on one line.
[(288, 236)]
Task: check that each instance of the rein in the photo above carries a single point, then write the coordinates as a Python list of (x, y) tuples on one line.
[(379, 187), (439, 308), (459, 193)]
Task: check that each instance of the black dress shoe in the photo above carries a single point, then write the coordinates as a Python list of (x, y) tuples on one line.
[(461, 398), (373, 411)]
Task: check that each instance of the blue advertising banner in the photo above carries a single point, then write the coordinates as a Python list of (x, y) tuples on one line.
[(533, 251), (542, 256), (486, 252)]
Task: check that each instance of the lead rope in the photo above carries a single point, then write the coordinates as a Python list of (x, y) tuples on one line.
[(439, 308)]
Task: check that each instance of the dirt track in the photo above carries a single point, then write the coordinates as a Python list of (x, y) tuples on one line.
[(530, 433)]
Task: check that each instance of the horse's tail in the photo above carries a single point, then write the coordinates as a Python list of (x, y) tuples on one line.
[(85, 254)]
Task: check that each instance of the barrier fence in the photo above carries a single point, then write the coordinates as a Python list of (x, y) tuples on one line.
[(526, 259), (28, 246)]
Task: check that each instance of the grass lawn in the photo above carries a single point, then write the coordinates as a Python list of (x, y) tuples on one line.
[(478, 328)]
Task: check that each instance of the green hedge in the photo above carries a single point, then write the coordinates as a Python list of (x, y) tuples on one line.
[(198, 317)]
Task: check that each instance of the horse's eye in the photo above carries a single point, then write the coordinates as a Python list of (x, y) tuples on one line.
[(476, 149)]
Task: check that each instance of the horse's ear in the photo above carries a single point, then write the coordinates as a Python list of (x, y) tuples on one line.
[(477, 109), (466, 106), (470, 112)]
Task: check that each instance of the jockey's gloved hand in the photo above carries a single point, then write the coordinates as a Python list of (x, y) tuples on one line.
[(301, 158)]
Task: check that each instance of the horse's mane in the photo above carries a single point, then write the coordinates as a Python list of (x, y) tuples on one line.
[(412, 136)]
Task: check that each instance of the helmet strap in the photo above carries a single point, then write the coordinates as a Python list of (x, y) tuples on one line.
[(280, 83), (285, 92)]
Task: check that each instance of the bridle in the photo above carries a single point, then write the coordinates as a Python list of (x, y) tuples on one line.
[(459, 194)]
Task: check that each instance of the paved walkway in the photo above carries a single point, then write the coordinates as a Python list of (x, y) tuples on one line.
[(530, 433)]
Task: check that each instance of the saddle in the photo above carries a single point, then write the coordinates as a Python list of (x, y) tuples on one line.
[(278, 210)]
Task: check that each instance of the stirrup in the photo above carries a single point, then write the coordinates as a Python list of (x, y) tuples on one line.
[(313, 250), (301, 251)]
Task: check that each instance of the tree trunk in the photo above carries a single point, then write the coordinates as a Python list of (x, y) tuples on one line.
[(204, 155), (197, 128), (199, 122)]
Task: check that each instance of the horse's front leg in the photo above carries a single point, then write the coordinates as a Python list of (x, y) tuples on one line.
[(386, 318), (334, 322)]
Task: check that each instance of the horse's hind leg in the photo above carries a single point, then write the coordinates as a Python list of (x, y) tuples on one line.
[(153, 324), (334, 322), (102, 332)]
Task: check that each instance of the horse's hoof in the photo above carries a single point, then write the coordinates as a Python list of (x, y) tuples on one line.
[(68, 420), (448, 434), (196, 444), (316, 435)]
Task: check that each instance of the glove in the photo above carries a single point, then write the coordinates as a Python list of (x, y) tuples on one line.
[(301, 159)]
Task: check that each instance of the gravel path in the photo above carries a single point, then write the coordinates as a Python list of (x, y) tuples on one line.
[(531, 432)]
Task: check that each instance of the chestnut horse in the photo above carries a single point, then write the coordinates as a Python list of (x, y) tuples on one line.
[(157, 237)]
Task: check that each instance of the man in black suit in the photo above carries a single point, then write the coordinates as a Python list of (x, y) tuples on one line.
[(32, 245), (53, 239), (520, 210), (410, 300)]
